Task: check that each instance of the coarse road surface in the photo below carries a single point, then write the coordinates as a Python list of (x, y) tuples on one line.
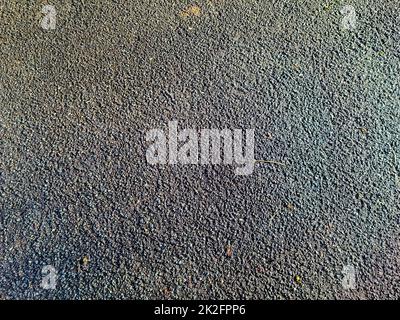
[(76, 190)]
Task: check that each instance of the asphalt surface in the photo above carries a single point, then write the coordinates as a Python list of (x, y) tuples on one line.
[(77, 193)]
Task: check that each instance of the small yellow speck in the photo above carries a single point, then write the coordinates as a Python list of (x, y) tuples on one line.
[(193, 10)]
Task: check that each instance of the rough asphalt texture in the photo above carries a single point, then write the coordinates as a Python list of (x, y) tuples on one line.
[(76, 102)]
